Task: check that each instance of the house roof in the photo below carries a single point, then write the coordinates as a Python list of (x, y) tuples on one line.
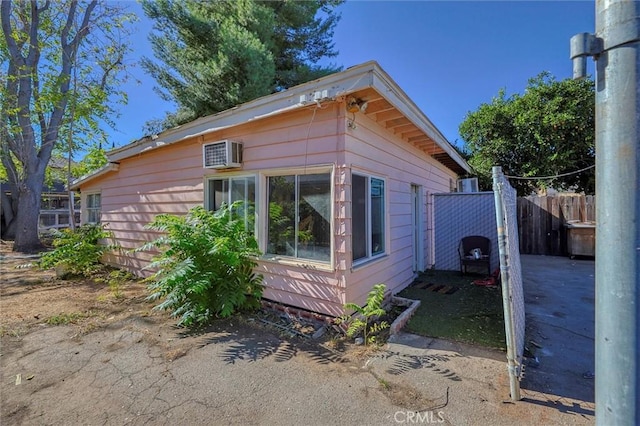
[(386, 103), (107, 168)]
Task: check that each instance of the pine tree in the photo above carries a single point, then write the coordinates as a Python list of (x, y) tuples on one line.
[(211, 56)]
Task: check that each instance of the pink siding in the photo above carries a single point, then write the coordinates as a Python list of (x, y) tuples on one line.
[(318, 291), (171, 180), (372, 149)]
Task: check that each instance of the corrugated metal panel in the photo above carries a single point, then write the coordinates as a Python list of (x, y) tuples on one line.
[(458, 215)]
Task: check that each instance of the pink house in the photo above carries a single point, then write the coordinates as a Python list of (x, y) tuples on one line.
[(340, 171)]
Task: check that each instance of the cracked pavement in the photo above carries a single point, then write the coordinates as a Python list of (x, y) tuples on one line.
[(124, 374), (137, 372), (141, 370)]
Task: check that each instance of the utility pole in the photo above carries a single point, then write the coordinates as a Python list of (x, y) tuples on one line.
[(616, 48)]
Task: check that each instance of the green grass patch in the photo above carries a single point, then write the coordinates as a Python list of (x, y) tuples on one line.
[(470, 314), (70, 318), (17, 332)]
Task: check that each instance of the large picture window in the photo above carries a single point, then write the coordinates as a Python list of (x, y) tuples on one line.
[(238, 190), (299, 216), (94, 202), (368, 215)]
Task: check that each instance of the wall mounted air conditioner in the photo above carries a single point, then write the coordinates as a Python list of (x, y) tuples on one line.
[(468, 185), (224, 154)]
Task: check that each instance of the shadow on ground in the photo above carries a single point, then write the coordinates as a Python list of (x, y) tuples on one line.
[(256, 348)]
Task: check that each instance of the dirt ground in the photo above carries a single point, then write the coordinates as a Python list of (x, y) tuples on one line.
[(31, 298), (75, 352), (64, 315)]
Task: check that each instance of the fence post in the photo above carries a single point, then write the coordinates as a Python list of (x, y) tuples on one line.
[(512, 364), (616, 48)]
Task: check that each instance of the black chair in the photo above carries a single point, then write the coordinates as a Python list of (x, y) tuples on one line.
[(475, 250)]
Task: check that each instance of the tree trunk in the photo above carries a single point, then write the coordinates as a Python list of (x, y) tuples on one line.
[(27, 238), (8, 230), (35, 95)]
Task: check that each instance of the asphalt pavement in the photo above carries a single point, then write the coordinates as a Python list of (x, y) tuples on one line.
[(141, 372)]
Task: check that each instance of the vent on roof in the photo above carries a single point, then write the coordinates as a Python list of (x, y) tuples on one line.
[(222, 155)]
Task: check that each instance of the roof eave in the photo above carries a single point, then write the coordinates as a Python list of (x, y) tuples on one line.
[(107, 168), (384, 85), (326, 88), (331, 87)]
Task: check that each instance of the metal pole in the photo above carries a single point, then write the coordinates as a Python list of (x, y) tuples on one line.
[(616, 48), (512, 365), (617, 213)]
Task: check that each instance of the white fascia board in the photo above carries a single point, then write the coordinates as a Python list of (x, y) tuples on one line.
[(323, 89), (399, 99), (108, 168)]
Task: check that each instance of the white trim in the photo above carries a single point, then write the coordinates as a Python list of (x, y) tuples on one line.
[(239, 175), (227, 176), (387, 230), (417, 227), (300, 170), (84, 209), (326, 88), (385, 85), (264, 223), (364, 262), (329, 88), (307, 264), (107, 168)]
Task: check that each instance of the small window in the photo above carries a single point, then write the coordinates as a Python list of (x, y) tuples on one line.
[(299, 216), (239, 192), (93, 208), (368, 217)]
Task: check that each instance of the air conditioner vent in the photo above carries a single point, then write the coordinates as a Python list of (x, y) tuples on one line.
[(222, 155), (468, 185)]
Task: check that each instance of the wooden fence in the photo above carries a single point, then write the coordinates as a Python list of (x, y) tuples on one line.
[(542, 219)]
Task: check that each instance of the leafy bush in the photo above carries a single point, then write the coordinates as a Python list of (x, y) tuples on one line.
[(205, 268), (365, 318), (78, 251)]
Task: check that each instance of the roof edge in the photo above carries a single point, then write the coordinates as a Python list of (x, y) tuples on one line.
[(367, 75), (325, 88), (107, 168), (385, 85)]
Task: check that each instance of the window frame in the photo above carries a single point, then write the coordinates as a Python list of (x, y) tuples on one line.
[(207, 201), (264, 219), (370, 256), (87, 210)]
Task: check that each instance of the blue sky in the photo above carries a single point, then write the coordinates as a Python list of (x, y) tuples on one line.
[(448, 56)]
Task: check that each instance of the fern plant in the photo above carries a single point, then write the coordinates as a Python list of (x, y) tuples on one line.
[(78, 251), (205, 265), (365, 318)]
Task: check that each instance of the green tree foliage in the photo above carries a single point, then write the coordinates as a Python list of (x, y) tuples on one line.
[(214, 55), (549, 130), (61, 64), (205, 265), (94, 159)]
